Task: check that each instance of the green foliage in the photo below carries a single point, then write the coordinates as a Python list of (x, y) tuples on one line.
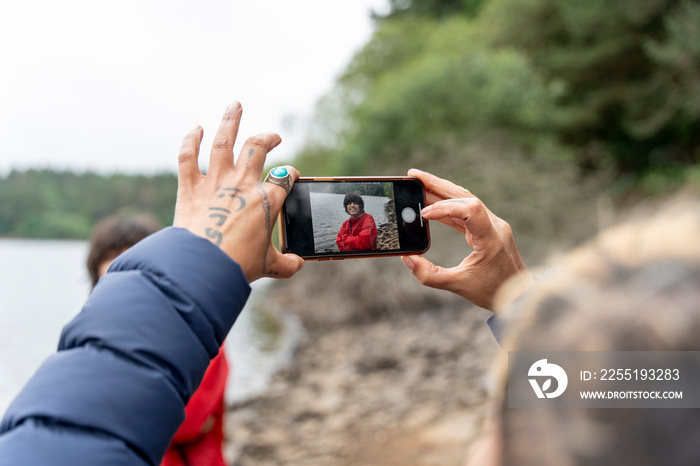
[(416, 105), (48, 204), (667, 179), (537, 106), (630, 70), (372, 188), (437, 8), (53, 224), (432, 94)]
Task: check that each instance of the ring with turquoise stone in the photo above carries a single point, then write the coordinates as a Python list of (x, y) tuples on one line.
[(281, 177)]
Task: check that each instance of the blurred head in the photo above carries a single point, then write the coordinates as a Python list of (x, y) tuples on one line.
[(114, 235), (636, 287), (354, 205)]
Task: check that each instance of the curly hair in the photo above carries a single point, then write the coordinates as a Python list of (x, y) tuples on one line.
[(353, 198)]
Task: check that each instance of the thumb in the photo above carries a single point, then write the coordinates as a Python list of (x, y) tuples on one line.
[(286, 265), (429, 274)]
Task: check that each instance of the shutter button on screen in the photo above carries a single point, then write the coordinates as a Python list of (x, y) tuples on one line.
[(408, 215)]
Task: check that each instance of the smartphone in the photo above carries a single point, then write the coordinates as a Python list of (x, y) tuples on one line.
[(350, 217)]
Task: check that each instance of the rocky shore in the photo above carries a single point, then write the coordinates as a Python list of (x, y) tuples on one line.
[(396, 378), (388, 232)]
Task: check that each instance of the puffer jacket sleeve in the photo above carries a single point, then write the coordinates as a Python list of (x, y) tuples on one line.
[(115, 392)]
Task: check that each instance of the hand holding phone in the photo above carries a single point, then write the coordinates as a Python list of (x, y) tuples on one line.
[(349, 217), (495, 258)]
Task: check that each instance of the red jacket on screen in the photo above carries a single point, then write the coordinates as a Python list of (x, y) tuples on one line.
[(199, 439), (357, 234)]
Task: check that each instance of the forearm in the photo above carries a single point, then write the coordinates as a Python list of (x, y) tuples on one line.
[(130, 360)]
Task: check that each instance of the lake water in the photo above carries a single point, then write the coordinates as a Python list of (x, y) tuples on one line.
[(43, 285), (329, 215)]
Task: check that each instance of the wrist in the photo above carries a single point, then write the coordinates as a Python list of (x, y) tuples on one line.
[(512, 289)]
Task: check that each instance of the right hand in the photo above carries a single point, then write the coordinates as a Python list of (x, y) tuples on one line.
[(231, 206), (495, 258)]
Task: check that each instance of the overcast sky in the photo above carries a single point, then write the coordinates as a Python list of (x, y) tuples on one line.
[(115, 85)]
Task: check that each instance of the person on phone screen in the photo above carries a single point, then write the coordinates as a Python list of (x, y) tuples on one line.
[(359, 232)]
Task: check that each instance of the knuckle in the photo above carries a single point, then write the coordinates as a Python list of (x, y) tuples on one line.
[(472, 207), (257, 141), (503, 226), (425, 280), (426, 276), (185, 156), (222, 142), (475, 205)]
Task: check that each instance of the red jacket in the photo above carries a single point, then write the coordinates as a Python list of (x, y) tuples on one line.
[(200, 438), (357, 234)]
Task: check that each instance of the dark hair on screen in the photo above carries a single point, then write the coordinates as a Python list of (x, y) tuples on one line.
[(354, 199), (113, 235)]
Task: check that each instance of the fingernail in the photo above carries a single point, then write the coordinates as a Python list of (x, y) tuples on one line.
[(234, 108), (408, 262)]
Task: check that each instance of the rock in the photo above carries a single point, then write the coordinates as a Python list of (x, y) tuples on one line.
[(388, 232)]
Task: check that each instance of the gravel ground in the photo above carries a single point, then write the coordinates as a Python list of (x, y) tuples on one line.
[(402, 388)]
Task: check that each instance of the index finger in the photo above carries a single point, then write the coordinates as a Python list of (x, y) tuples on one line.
[(187, 167), (472, 212), (438, 188), (253, 154)]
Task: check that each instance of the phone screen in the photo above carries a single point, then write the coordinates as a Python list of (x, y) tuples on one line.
[(354, 217)]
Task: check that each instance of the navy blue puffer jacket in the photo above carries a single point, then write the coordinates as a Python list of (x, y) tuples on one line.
[(115, 392)]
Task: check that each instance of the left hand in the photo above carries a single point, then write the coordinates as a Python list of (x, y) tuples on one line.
[(231, 206), (495, 258)]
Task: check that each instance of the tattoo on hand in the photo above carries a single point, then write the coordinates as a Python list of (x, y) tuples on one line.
[(221, 214), (215, 235), (250, 155), (232, 193), (221, 217), (266, 208)]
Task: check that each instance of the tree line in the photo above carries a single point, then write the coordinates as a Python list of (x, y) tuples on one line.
[(540, 107), (63, 204)]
